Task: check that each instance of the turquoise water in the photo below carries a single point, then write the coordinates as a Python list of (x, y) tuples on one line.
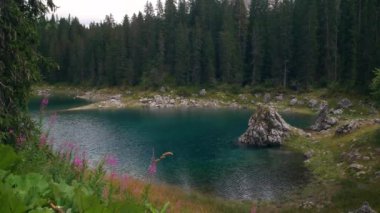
[(203, 142)]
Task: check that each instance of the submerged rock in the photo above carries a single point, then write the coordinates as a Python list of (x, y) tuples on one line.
[(265, 128), (324, 121)]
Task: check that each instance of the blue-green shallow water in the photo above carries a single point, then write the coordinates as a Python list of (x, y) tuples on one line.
[(56, 102), (205, 157)]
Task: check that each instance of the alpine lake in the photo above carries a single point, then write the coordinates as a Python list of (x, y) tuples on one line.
[(206, 157)]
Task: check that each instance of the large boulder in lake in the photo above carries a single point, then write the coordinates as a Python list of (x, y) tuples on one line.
[(265, 128), (324, 121)]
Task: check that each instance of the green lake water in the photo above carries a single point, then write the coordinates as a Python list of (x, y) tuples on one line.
[(205, 157)]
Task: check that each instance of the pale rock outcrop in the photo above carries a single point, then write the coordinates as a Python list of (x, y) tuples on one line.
[(347, 128), (324, 121), (293, 101), (365, 208), (313, 103), (279, 97), (265, 128)]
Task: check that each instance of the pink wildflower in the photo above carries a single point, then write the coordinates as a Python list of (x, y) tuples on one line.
[(78, 162), (152, 167), (68, 149), (253, 209), (20, 140), (111, 160), (43, 140), (113, 175), (44, 103)]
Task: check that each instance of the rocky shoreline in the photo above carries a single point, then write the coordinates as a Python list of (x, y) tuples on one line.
[(163, 99), (154, 101)]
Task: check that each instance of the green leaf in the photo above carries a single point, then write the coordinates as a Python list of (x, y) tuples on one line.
[(166, 206), (8, 157), (31, 189), (3, 174), (42, 210), (63, 194), (87, 203), (10, 202)]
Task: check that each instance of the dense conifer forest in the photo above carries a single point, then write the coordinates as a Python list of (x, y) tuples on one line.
[(302, 43)]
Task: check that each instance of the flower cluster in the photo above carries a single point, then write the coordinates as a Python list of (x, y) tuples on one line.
[(111, 161)]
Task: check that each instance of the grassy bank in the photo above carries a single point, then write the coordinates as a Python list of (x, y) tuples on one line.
[(338, 185)]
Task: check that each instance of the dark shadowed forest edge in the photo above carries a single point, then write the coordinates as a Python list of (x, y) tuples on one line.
[(295, 44), (293, 55)]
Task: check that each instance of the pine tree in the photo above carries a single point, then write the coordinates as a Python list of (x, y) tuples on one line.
[(346, 43), (304, 61)]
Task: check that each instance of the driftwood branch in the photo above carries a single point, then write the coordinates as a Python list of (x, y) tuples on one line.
[(56, 208)]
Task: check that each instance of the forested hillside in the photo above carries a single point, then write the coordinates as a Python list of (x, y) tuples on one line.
[(293, 43)]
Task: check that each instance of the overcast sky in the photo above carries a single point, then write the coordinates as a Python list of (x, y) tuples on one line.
[(95, 10)]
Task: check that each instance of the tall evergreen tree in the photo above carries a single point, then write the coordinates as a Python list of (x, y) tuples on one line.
[(305, 49)]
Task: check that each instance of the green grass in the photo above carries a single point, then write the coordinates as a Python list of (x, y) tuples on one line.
[(337, 187)]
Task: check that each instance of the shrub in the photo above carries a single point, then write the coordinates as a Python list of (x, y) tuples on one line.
[(184, 92)]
